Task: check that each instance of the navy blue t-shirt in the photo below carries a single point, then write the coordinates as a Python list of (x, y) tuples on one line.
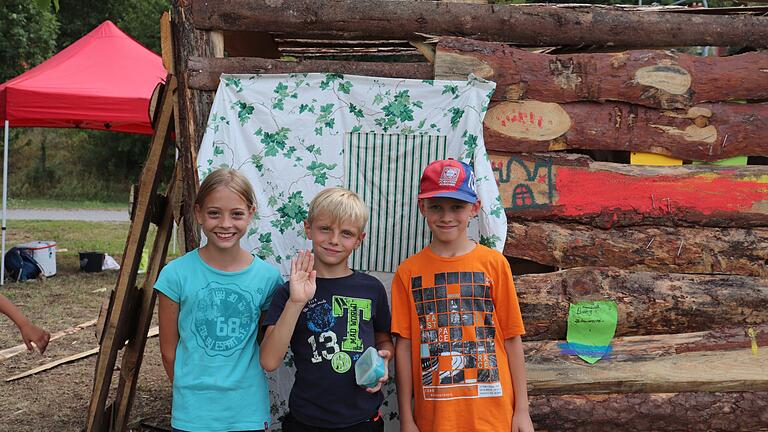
[(333, 330)]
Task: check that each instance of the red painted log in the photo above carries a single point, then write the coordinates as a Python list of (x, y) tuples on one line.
[(651, 412), (536, 25), (658, 79), (648, 303), (704, 132), (664, 249), (574, 188)]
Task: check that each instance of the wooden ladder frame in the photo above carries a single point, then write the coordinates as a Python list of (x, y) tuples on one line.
[(129, 313)]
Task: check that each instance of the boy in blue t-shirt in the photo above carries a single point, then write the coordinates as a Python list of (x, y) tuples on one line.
[(329, 314)]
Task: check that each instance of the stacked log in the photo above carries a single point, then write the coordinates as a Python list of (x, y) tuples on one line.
[(649, 303), (656, 79), (681, 250)]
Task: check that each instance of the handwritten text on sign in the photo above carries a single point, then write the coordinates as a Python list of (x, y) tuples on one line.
[(591, 326), (531, 120)]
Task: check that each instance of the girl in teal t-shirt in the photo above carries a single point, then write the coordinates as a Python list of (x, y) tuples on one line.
[(211, 301)]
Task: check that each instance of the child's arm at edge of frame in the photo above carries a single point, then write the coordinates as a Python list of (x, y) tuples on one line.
[(29, 332), (404, 382), (168, 317), (521, 419)]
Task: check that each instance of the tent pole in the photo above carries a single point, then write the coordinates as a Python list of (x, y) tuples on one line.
[(5, 197)]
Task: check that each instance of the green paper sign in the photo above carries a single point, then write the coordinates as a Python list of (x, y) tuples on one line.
[(591, 326)]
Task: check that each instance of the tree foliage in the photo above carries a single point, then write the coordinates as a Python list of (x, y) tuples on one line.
[(74, 164), (27, 36), (138, 18)]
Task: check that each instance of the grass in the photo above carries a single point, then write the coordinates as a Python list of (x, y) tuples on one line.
[(42, 203), (73, 236), (57, 301)]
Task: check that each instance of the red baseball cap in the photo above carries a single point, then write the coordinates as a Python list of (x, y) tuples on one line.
[(448, 178)]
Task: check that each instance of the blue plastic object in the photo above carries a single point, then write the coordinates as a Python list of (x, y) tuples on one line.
[(369, 368)]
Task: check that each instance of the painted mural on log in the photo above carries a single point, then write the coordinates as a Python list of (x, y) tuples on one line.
[(573, 187)]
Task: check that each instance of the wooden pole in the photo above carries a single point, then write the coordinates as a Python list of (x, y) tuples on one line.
[(134, 351), (643, 412), (669, 363), (204, 72), (193, 109), (648, 303), (738, 251), (535, 25), (704, 132), (658, 79)]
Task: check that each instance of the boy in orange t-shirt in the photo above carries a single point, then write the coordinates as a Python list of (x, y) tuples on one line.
[(457, 320)]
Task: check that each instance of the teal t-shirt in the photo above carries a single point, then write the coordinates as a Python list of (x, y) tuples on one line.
[(218, 383)]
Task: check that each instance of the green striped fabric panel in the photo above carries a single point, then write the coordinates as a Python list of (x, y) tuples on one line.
[(384, 169)]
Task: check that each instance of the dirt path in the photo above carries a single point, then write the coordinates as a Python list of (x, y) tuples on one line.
[(69, 214)]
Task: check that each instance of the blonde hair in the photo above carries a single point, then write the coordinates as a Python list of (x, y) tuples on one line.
[(340, 205), (230, 179)]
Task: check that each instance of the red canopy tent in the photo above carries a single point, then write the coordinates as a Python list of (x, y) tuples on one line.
[(103, 81)]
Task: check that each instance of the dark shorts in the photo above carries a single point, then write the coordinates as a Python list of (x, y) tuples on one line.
[(375, 424)]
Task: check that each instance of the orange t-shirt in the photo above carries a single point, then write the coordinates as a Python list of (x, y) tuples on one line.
[(457, 312)]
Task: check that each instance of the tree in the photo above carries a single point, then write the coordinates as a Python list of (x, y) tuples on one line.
[(138, 18), (27, 36)]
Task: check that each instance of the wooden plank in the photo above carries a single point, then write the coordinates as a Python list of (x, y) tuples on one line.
[(536, 25), (737, 251), (68, 359), (651, 412), (704, 132), (658, 79), (18, 349), (112, 340), (648, 303), (634, 348), (53, 364), (134, 351), (641, 369), (166, 47), (217, 43), (574, 188), (204, 72)]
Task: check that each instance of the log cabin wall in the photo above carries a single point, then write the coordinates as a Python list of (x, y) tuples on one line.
[(681, 249)]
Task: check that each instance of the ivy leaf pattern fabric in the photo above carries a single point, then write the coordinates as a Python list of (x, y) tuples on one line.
[(294, 134)]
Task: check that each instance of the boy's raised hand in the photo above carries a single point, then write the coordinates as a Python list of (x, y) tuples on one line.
[(387, 356), (303, 277)]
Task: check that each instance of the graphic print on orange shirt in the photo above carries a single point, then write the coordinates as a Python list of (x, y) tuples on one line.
[(456, 322)]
